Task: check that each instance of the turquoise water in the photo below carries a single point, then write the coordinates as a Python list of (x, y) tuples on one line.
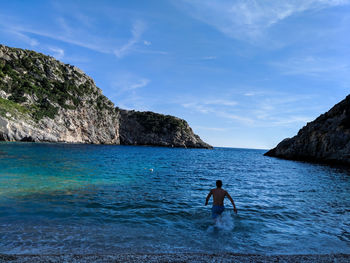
[(60, 198)]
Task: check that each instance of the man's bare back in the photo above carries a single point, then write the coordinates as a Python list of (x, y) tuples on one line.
[(219, 195)]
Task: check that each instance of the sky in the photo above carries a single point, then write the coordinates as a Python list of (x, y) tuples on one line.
[(242, 73)]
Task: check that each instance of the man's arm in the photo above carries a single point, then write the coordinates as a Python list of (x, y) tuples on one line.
[(208, 197), (233, 203)]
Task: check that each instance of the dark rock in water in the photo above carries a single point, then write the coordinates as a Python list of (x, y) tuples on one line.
[(42, 99), (326, 139)]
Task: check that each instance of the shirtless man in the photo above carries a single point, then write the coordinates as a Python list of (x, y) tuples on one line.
[(219, 196)]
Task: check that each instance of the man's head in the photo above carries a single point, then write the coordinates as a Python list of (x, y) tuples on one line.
[(218, 183)]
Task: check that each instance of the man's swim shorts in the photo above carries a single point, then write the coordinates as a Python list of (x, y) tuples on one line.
[(217, 210)]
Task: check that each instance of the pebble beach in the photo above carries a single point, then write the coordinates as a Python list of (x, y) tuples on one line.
[(176, 257)]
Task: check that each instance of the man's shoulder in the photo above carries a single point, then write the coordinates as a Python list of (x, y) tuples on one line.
[(218, 190)]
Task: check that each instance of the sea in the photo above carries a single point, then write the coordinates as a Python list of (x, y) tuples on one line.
[(84, 199)]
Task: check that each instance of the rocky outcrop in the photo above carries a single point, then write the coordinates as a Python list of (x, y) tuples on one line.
[(42, 99), (149, 128), (326, 139)]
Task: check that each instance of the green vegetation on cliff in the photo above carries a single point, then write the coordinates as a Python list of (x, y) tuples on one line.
[(46, 84), (10, 107), (158, 123)]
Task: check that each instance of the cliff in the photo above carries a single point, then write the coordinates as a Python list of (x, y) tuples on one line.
[(149, 128), (326, 139), (42, 99)]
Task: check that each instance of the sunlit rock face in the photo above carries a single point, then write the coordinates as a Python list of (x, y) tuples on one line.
[(326, 139), (43, 99)]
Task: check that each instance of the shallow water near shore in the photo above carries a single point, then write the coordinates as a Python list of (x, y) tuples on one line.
[(62, 198)]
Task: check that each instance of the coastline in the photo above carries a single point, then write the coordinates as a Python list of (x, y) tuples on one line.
[(174, 257)]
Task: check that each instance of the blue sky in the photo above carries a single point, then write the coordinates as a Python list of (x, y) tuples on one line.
[(243, 73)]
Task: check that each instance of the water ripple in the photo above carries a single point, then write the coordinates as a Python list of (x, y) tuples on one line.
[(58, 198)]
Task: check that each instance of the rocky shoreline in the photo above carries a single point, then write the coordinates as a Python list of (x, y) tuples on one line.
[(176, 257), (324, 140)]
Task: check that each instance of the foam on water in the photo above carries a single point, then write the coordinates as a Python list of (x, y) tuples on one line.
[(225, 221)]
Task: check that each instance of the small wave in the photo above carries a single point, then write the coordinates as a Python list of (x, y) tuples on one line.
[(225, 222)]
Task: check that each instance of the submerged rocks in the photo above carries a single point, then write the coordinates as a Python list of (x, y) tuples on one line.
[(326, 139), (42, 99)]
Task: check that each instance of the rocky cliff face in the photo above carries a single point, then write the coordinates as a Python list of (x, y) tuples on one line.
[(149, 128), (42, 99), (326, 139)]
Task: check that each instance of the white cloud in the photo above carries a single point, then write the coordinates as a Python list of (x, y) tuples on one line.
[(58, 53), (81, 34), (124, 91), (221, 102), (210, 128), (31, 41), (140, 84), (197, 107), (209, 106), (157, 52), (236, 117), (276, 109), (312, 66), (128, 82), (249, 19), (92, 43), (217, 109), (291, 120), (21, 36), (80, 30), (136, 32), (134, 102)]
